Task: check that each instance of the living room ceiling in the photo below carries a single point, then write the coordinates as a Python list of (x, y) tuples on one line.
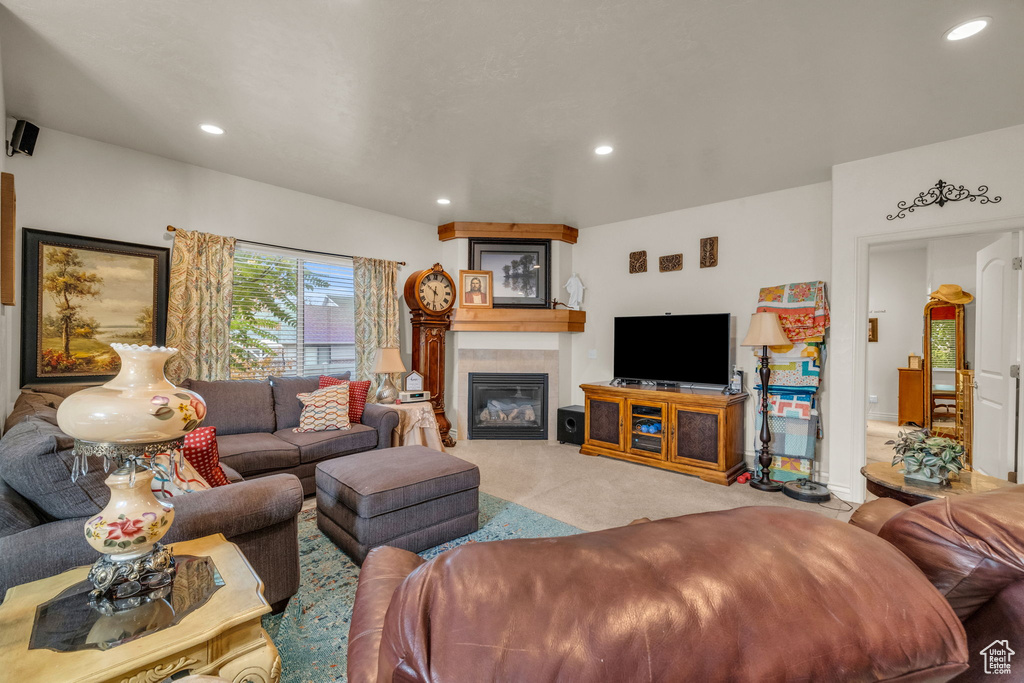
[(499, 104)]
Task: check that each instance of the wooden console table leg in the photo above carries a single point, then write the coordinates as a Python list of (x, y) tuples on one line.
[(260, 665)]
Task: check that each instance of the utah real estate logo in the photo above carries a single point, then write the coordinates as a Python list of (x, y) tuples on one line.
[(997, 657)]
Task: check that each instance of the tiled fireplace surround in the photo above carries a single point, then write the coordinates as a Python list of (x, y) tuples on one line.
[(504, 360)]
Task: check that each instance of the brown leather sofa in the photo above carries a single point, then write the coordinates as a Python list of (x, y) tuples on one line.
[(750, 594), (972, 549)]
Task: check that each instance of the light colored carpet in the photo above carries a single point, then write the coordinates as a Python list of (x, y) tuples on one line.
[(878, 433), (595, 493)]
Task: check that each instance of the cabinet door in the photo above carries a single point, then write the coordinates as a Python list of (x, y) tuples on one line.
[(646, 428), (694, 436), (605, 422)]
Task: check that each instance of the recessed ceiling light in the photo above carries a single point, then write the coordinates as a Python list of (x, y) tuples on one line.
[(603, 149), (442, 201), (211, 129), (968, 28)]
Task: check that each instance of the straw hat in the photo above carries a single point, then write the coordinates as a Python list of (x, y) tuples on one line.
[(953, 294)]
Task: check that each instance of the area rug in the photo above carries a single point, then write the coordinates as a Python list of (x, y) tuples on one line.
[(312, 633)]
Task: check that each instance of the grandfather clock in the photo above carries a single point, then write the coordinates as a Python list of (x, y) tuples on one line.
[(430, 295)]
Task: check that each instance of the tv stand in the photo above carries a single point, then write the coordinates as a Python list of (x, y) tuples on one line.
[(692, 430)]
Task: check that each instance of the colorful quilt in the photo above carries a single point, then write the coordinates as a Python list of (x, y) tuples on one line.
[(804, 372), (802, 309), (788, 469), (792, 437), (789, 405)]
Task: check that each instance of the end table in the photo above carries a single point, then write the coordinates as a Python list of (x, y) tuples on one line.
[(208, 624), (417, 426)]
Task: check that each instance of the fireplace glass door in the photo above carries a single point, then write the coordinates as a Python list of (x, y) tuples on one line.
[(507, 406)]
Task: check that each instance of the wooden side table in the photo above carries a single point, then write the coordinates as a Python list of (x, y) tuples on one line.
[(886, 481), (417, 426), (221, 637)]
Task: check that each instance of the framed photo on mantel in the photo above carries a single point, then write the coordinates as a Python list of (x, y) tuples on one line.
[(521, 270), (80, 295)]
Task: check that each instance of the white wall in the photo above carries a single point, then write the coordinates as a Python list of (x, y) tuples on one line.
[(863, 194), (81, 186), (898, 291), (764, 240), (8, 359)]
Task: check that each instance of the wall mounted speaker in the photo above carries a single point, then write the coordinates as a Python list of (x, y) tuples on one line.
[(572, 425), (23, 139)]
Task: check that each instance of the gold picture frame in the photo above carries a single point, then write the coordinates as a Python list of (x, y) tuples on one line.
[(476, 289), (872, 329)]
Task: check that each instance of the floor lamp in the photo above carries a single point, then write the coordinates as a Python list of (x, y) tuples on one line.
[(765, 331)]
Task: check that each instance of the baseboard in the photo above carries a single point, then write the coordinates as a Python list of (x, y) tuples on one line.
[(883, 417)]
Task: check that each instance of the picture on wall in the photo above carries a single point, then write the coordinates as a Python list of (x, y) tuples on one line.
[(82, 294), (476, 288), (521, 268)]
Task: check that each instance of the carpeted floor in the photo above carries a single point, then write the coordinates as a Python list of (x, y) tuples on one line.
[(312, 633)]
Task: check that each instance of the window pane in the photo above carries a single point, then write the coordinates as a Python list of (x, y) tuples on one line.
[(271, 334)]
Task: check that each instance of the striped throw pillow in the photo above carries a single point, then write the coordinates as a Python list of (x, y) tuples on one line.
[(357, 392), (324, 410)]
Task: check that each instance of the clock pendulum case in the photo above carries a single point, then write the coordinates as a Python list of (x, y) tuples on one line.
[(430, 295)]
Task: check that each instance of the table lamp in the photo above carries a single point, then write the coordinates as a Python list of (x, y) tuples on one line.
[(388, 361), (765, 331)]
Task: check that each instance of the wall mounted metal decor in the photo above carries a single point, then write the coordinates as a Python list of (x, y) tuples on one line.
[(941, 193), (709, 252), (637, 262), (667, 264)]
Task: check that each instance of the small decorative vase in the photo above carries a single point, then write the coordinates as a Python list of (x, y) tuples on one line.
[(127, 421)]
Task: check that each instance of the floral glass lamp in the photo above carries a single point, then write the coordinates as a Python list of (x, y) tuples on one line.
[(765, 331), (387, 362), (127, 421)]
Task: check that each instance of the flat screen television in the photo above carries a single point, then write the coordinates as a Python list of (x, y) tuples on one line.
[(680, 349)]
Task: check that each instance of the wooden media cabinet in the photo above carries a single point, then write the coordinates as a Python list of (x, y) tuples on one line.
[(695, 431)]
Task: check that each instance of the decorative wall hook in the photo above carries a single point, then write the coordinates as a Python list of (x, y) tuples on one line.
[(940, 194)]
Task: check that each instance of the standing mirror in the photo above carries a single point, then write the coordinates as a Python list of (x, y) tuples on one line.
[(946, 395)]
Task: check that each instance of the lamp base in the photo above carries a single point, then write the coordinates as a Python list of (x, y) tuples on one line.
[(387, 392), (765, 485), (116, 579)]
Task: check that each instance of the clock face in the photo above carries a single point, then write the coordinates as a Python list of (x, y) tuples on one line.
[(436, 292)]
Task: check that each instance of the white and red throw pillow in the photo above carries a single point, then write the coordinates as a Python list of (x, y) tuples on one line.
[(325, 409), (201, 451), (172, 479), (357, 392)]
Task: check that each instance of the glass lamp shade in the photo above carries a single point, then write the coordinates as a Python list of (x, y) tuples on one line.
[(138, 406), (765, 330)]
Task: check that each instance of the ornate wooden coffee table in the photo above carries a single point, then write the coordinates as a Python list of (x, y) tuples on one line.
[(208, 624), (886, 481)]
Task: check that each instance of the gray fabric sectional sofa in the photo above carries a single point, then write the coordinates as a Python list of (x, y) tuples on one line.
[(42, 511)]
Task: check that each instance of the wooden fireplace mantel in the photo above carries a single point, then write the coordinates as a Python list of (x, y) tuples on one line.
[(517, 320), (516, 231)]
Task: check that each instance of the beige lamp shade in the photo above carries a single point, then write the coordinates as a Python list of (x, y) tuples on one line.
[(765, 330), (388, 361)]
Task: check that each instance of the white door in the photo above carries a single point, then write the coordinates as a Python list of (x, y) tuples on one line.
[(995, 342)]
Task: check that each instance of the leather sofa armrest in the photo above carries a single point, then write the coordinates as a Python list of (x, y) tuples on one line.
[(383, 570), (871, 516), (383, 419), (236, 509)]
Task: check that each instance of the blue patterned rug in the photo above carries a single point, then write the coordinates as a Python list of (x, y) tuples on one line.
[(312, 634)]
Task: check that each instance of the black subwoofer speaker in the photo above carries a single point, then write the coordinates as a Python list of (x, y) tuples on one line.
[(572, 424)]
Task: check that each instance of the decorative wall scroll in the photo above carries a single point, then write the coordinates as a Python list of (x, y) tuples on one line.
[(709, 252), (940, 194), (667, 264), (637, 262)]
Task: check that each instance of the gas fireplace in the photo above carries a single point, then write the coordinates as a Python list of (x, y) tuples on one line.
[(511, 405)]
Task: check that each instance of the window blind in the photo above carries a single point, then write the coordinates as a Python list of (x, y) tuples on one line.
[(291, 315)]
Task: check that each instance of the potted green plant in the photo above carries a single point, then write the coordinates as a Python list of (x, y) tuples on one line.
[(926, 457)]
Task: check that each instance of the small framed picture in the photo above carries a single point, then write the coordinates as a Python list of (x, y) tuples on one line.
[(915, 362), (477, 289), (872, 329), (414, 381)]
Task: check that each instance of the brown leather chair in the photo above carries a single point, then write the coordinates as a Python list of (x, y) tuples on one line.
[(972, 549), (751, 594)]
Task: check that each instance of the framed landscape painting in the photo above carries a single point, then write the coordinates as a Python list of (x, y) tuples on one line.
[(81, 294), (522, 270)]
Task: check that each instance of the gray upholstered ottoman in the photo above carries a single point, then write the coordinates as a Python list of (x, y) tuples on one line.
[(410, 497)]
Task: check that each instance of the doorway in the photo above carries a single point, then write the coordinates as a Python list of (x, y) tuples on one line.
[(944, 313)]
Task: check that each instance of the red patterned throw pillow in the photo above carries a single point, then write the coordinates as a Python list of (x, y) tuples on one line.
[(201, 452), (324, 410), (357, 392)]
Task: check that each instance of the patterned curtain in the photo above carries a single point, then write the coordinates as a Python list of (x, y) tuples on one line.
[(376, 293), (199, 305)]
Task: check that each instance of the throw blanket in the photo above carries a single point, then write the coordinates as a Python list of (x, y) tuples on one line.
[(801, 307)]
